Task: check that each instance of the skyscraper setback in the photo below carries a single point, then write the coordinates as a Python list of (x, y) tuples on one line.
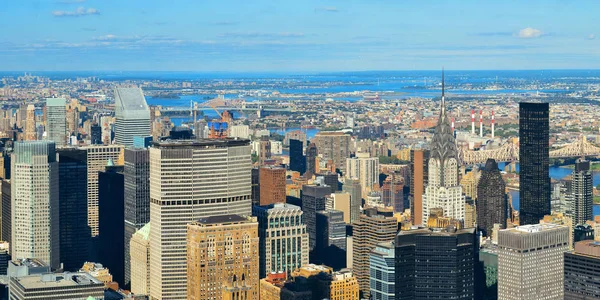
[(183, 191), (534, 159)]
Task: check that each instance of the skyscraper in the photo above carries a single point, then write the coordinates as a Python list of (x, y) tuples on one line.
[(75, 235), (97, 159), (297, 159), (313, 200), (6, 212), (283, 240), (182, 190), (530, 261), (582, 268), (30, 132), (139, 255), (56, 125), (534, 159), (330, 245), (583, 197), (443, 190), (352, 187), (311, 160), (132, 115), (491, 199), (272, 185), (393, 192), (137, 197), (96, 135), (35, 202), (264, 152), (222, 258), (111, 225), (418, 182), (436, 264), (373, 228), (335, 146), (366, 169), (382, 272)]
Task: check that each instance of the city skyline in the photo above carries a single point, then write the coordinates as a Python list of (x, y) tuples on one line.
[(297, 37)]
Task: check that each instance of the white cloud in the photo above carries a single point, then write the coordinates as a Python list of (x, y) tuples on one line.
[(106, 37), (327, 9), (79, 12), (529, 33), (591, 36)]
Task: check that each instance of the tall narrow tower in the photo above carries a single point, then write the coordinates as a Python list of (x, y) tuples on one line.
[(443, 190)]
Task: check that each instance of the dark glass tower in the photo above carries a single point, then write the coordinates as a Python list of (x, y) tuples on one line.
[(137, 197), (436, 265), (96, 135), (313, 200), (311, 160), (297, 159), (491, 199), (583, 196), (111, 200), (330, 246), (75, 238), (534, 159)]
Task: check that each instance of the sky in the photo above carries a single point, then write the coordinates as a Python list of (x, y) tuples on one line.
[(297, 36)]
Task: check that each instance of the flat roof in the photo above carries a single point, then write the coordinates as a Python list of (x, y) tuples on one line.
[(56, 280), (222, 219), (200, 142)]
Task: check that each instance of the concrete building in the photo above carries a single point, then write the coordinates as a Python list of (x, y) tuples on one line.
[(276, 148), (382, 272), (98, 271), (581, 268), (334, 146), (35, 202), (352, 187), (283, 238), (191, 180), (373, 227), (270, 286), (344, 286), (132, 115), (366, 169), (137, 197), (313, 200), (330, 246), (583, 193), (97, 159), (393, 192), (6, 211), (272, 185), (139, 255), (30, 128), (530, 261), (239, 131), (418, 182), (222, 254), (56, 125), (56, 286), (264, 150), (340, 201), (470, 181)]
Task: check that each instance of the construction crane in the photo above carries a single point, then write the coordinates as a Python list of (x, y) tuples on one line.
[(220, 129)]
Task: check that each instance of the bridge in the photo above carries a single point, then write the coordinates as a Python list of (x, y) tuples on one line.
[(222, 104), (510, 152)]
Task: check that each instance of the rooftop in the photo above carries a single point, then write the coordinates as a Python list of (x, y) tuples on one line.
[(56, 280), (131, 100), (222, 219), (201, 143), (533, 228)]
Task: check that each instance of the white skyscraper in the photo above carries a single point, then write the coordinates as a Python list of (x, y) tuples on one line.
[(530, 261), (443, 189), (189, 180), (132, 115), (35, 212), (56, 121)]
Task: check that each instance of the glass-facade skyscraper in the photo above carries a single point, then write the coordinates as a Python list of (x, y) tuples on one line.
[(132, 115), (491, 199), (534, 159), (56, 121)]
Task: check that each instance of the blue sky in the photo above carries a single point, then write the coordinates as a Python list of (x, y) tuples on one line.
[(297, 36)]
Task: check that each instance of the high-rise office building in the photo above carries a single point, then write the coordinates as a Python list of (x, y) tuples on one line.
[(313, 200), (581, 270), (488, 268), (330, 245), (97, 159), (443, 190), (35, 202), (75, 235), (272, 185), (255, 173), (96, 135), (491, 199), (418, 181), (373, 227), (382, 272), (297, 159), (534, 160), (366, 169), (78, 285), (30, 128), (56, 125), (330, 179), (6, 211), (583, 193), (111, 225), (132, 115), (530, 261), (139, 254), (340, 201), (283, 240), (436, 264), (137, 197), (191, 180), (393, 192), (222, 254), (352, 187), (311, 160), (334, 146)]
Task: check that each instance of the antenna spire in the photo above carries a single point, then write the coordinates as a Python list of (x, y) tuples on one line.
[(443, 99)]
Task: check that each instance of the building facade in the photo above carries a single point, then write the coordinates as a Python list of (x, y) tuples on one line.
[(111, 225), (492, 205), (132, 115), (530, 261), (534, 160), (283, 238), (311, 160), (330, 246), (334, 146), (582, 186), (272, 185), (313, 200), (56, 286), (366, 169), (139, 254), (35, 202), (191, 180), (222, 256), (297, 159), (352, 187), (382, 272), (582, 267), (56, 125), (418, 181)]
